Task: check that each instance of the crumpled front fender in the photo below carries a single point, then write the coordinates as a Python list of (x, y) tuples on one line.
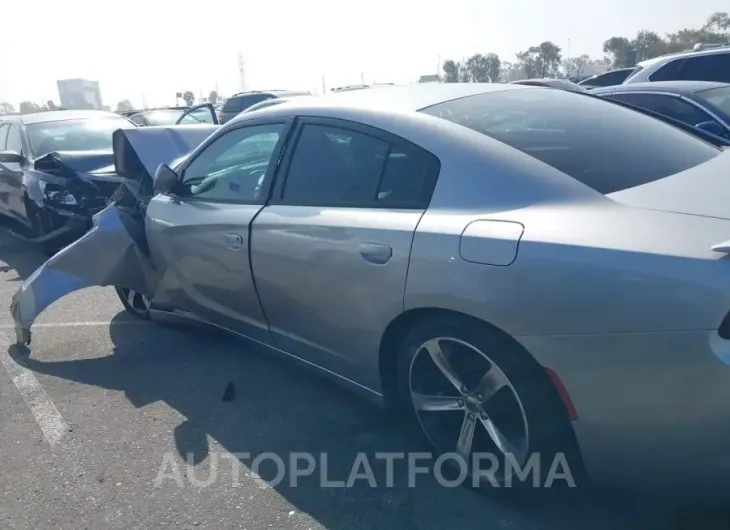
[(113, 252)]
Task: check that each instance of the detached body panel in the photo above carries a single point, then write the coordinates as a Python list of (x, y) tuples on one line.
[(113, 252)]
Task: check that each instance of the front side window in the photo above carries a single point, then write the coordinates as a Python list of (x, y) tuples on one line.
[(668, 72), (667, 105), (74, 135), (603, 145), (233, 167), (198, 116), (333, 166)]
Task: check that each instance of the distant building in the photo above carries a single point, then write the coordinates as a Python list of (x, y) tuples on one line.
[(432, 78), (79, 94)]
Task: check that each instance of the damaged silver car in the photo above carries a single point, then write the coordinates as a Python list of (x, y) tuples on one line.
[(478, 256)]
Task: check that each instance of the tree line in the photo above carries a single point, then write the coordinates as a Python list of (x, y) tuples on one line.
[(546, 59)]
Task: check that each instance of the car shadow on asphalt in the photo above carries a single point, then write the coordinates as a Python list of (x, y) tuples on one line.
[(255, 404), (19, 256)]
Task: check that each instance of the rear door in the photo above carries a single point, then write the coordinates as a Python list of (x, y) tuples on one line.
[(330, 252), (199, 233)]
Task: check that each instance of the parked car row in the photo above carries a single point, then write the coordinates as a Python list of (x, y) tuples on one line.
[(691, 87), (517, 270)]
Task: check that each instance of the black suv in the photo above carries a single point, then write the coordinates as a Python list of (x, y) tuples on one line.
[(237, 103)]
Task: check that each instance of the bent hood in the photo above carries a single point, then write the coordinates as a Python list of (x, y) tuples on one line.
[(703, 190), (71, 164), (114, 252)]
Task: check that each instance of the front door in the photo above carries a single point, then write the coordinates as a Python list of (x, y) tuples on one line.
[(199, 234), (202, 114), (12, 175), (330, 252)]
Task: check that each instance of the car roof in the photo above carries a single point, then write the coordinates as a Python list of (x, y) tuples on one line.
[(675, 87), (402, 98), (680, 55), (61, 115), (276, 92)]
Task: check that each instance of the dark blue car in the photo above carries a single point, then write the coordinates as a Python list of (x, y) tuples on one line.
[(703, 104)]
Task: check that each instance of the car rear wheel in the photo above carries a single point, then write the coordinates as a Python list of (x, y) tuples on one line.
[(486, 407), (134, 302)]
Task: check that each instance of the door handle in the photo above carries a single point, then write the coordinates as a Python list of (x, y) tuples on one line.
[(375, 253), (233, 241)]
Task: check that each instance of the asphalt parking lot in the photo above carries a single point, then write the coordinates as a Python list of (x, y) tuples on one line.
[(104, 403)]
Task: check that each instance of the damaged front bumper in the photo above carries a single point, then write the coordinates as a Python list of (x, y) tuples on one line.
[(113, 252)]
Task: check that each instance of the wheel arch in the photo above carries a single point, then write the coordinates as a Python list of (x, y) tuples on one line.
[(399, 327)]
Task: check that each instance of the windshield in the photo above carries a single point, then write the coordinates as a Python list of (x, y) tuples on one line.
[(164, 117), (74, 135), (635, 71), (719, 97), (603, 145)]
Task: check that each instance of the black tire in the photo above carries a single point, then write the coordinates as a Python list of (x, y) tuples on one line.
[(134, 304), (39, 229), (547, 431)]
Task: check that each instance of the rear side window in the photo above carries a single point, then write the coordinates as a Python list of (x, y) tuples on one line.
[(232, 105), (603, 145), (710, 67), (333, 166)]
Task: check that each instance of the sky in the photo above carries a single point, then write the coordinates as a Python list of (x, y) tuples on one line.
[(146, 51)]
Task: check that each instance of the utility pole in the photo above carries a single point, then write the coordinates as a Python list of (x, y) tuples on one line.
[(242, 71), (362, 78), (324, 89)]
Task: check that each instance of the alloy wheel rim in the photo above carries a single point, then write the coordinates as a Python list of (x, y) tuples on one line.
[(137, 301), (467, 398)]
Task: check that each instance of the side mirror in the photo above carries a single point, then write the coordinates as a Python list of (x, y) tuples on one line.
[(712, 127), (10, 157), (165, 179)]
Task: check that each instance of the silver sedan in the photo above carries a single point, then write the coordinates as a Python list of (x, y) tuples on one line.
[(519, 271)]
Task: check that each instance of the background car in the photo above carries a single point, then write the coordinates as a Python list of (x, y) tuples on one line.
[(56, 170), (614, 77), (274, 101), (237, 103), (562, 84), (701, 104), (519, 271), (200, 114), (705, 63)]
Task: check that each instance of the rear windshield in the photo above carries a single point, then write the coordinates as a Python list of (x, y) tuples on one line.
[(719, 97), (601, 144), (239, 103)]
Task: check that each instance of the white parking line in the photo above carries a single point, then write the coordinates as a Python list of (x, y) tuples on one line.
[(46, 414), (80, 324)]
